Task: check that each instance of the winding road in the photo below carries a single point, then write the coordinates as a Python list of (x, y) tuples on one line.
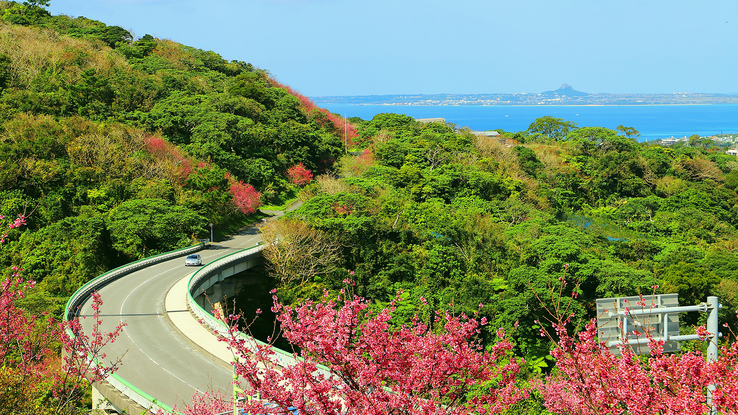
[(157, 357)]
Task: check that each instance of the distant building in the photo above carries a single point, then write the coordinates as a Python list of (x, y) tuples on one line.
[(486, 133), (672, 141), (430, 120), (733, 152)]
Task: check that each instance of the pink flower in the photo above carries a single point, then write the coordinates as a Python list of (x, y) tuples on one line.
[(702, 332), (299, 175)]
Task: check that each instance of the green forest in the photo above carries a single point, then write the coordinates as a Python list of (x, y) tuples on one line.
[(453, 218), (119, 148)]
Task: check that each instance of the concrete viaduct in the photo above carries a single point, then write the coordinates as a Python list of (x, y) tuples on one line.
[(168, 348)]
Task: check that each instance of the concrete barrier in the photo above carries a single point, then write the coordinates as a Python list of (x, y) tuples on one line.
[(215, 272), (210, 274)]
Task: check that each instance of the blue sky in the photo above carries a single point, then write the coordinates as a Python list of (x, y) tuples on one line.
[(375, 47)]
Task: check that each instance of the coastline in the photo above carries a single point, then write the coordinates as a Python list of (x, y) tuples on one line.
[(520, 105), (562, 96), (652, 121)]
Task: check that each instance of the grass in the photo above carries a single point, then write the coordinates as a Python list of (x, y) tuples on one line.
[(225, 229), (283, 206), (281, 202)]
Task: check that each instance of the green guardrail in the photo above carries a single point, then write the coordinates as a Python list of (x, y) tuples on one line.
[(204, 269), (83, 293)]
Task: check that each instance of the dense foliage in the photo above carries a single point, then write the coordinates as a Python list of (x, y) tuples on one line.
[(123, 148), (459, 219), (354, 361), (34, 378), (357, 359), (118, 148)]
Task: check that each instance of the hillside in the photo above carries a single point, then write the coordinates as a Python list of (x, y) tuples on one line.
[(118, 148), (564, 91), (455, 220)]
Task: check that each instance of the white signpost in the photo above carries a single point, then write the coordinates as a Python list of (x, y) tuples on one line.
[(631, 318), (633, 321)]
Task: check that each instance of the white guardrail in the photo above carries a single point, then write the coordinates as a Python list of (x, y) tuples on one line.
[(283, 358), (84, 292)]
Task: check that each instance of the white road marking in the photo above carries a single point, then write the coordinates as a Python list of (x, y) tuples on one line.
[(136, 344), (242, 244)]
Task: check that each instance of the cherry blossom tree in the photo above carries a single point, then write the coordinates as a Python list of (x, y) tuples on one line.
[(299, 175), (353, 360), (245, 197), (81, 354), (588, 379), (33, 379), (169, 158), (208, 403), (350, 359)]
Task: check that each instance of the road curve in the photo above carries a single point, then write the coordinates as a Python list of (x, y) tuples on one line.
[(157, 358)]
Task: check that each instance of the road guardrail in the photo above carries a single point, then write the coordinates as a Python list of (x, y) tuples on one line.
[(84, 292)]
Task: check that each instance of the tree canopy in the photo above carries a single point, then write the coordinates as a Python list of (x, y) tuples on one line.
[(124, 147), (459, 220)]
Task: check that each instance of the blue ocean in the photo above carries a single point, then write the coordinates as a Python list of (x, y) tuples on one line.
[(652, 121)]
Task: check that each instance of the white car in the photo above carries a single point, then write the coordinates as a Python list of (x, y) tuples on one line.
[(193, 260)]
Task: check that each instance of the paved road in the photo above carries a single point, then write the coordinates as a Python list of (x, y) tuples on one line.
[(157, 357)]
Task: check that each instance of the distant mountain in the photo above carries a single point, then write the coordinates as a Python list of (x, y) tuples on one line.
[(565, 95), (564, 91)]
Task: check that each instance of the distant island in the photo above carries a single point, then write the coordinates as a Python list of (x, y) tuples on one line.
[(565, 95)]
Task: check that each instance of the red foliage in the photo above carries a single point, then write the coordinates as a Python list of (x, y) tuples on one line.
[(342, 209), (171, 156), (156, 146), (591, 380), (340, 125), (366, 158), (26, 344), (17, 223), (81, 349), (299, 175), (245, 197), (209, 403), (724, 372), (372, 367)]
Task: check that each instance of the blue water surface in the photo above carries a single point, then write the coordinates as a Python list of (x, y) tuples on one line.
[(652, 121)]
